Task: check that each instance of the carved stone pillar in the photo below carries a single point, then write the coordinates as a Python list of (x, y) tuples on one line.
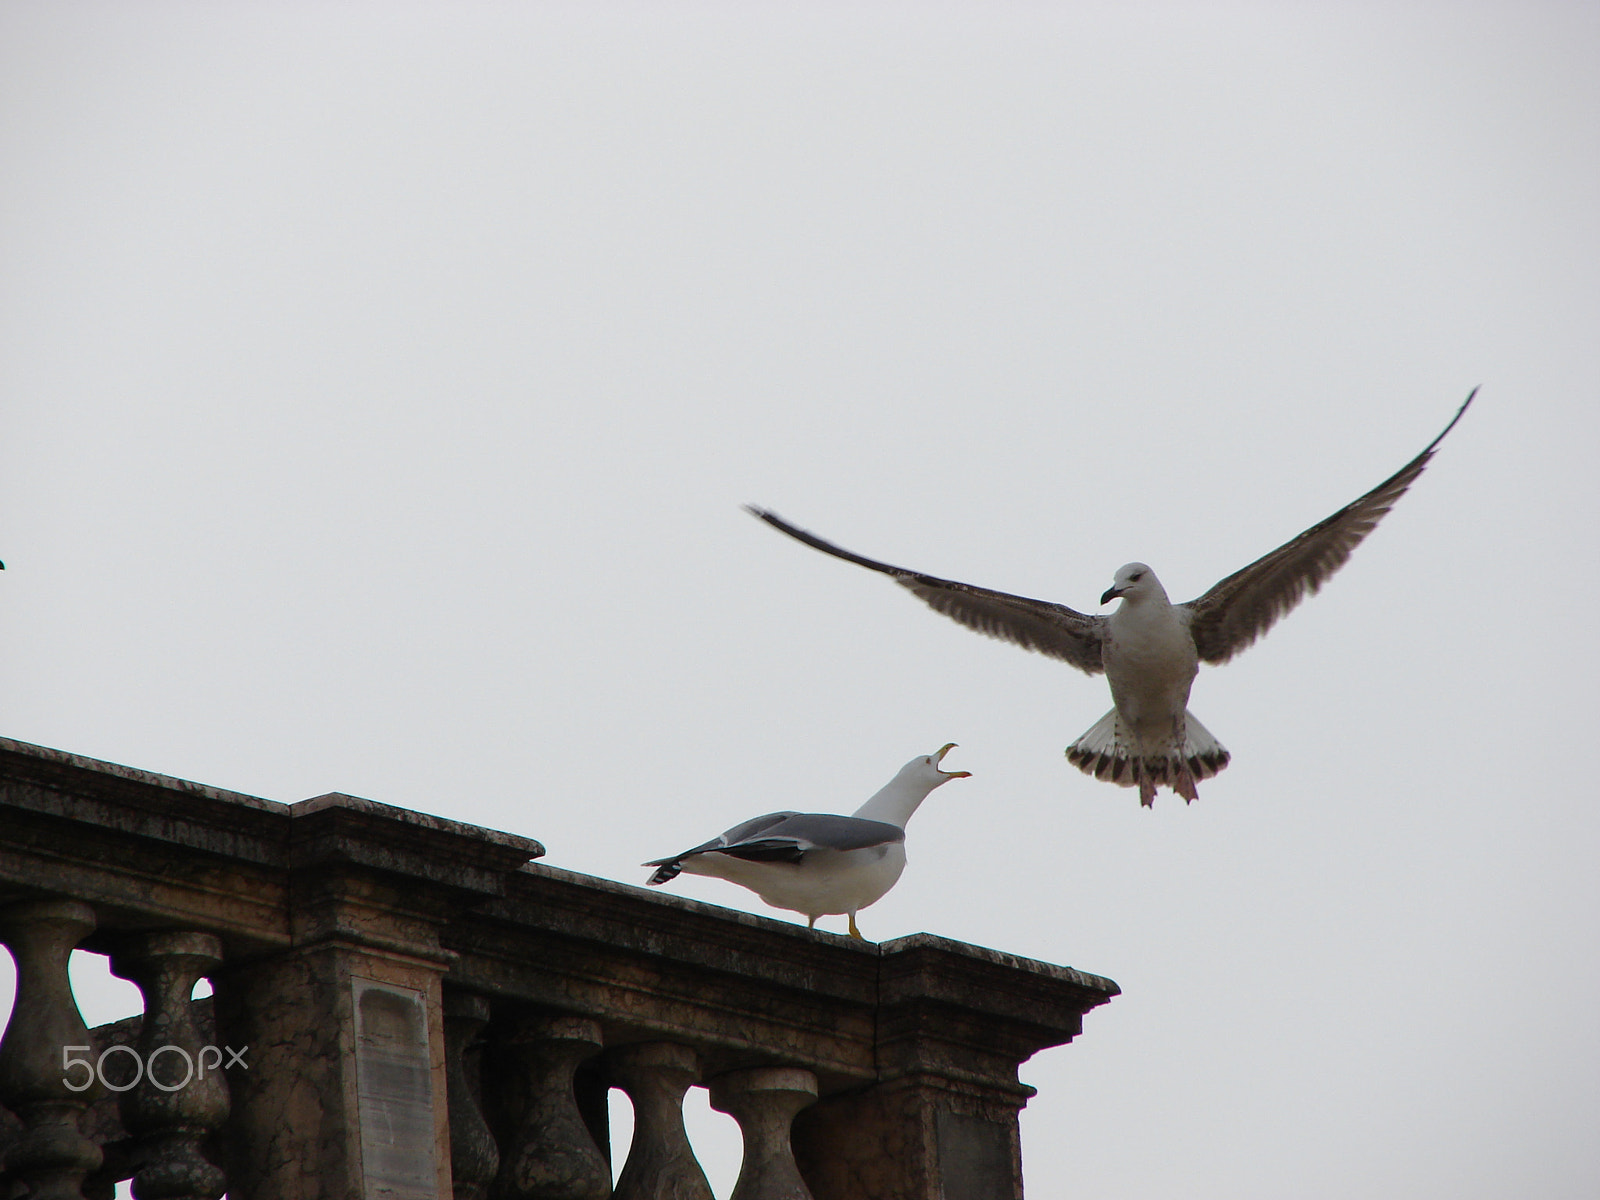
[(550, 1154), (764, 1100), (10, 1128), (49, 1155), (661, 1165), (182, 1096), (474, 1158)]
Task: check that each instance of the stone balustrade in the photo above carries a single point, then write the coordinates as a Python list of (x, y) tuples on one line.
[(411, 1008)]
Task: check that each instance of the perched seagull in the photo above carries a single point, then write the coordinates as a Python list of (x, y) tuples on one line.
[(815, 863), (1149, 648)]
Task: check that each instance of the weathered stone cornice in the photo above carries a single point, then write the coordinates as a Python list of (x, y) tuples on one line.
[(152, 851)]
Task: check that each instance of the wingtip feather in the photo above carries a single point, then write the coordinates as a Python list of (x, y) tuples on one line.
[(1460, 412)]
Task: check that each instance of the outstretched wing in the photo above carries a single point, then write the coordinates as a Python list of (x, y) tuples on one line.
[(1246, 604), (1039, 625)]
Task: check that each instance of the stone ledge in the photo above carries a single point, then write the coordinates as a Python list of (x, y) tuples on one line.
[(337, 828), (109, 797)]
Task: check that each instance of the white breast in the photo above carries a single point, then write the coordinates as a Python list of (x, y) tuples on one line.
[(1150, 663)]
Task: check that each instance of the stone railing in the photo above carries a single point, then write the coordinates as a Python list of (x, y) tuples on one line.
[(407, 1007)]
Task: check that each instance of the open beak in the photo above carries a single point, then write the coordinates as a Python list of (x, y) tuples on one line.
[(939, 758)]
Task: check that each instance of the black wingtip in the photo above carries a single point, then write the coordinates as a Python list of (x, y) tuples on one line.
[(827, 547), (773, 519), (1460, 412)]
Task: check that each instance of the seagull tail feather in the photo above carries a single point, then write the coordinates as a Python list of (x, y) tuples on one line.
[(1109, 752), (665, 871)]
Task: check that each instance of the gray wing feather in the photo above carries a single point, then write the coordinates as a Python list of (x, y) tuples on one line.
[(1242, 607), (745, 829), (1038, 625), (820, 831)]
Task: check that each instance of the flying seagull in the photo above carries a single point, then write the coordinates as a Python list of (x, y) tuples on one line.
[(815, 863), (1148, 647)]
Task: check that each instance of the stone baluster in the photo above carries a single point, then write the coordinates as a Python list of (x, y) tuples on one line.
[(474, 1158), (49, 1155), (550, 1154), (182, 1096), (10, 1128), (764, 1100), (661, 1165)]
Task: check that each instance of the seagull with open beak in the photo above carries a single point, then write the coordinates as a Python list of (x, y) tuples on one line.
[(817, 863)]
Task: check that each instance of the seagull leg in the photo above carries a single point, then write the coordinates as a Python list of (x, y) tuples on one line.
[(811, 922), (1185, 785), (854, 932), (1147, 786)]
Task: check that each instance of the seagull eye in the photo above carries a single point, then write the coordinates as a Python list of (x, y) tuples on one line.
[(1135, 577)]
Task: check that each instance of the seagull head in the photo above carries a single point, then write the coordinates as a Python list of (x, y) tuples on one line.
[(925, 768), (1133, 582), (912, 784)]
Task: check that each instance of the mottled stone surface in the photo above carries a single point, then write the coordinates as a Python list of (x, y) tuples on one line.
[(744, 990), (910, 1140), (290, 1129), (548, 1152), (10, 1127), (954, 1023)]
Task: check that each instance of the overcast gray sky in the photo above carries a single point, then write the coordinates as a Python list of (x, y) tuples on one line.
[(381, 383)]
